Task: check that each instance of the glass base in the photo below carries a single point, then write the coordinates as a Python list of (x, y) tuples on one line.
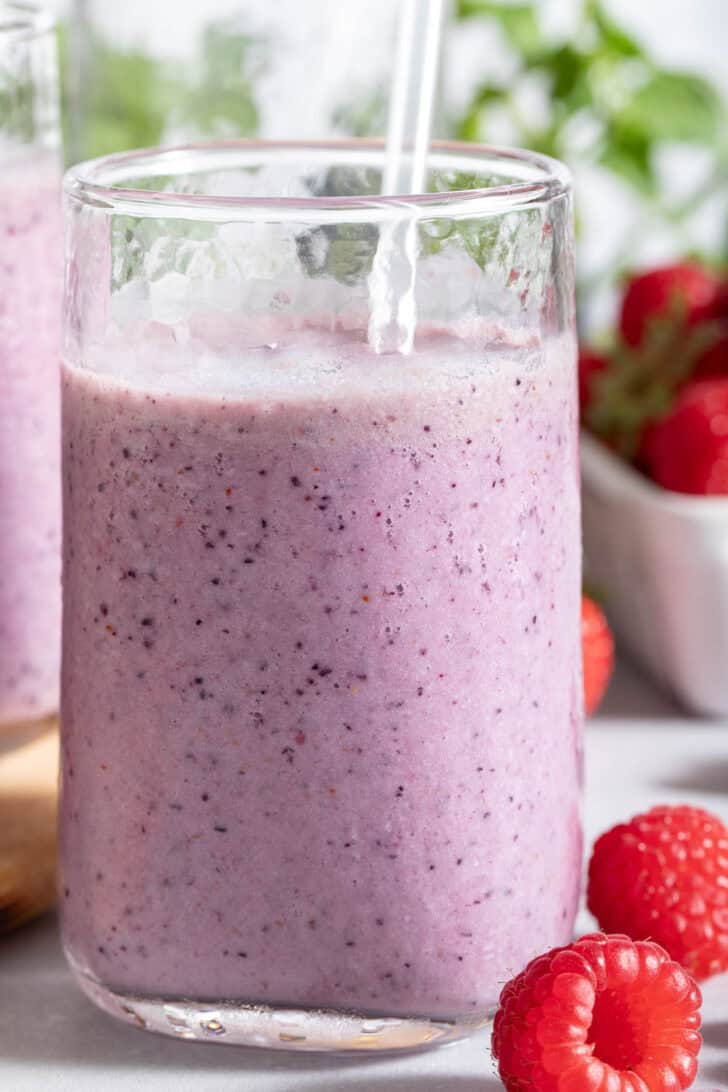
[(275, 1028)]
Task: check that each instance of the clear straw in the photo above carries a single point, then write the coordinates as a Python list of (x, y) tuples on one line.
[(391, 282), (413, 95)]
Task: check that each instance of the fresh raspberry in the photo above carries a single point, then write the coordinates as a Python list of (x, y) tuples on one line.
[(664, 875), (687, 450), (604, 1014), (591, 364), (597, 651), (686, 292)]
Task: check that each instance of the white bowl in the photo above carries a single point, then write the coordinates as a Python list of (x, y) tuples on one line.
[(660, 561)]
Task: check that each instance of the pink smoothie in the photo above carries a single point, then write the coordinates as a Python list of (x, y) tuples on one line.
[(30, 492), (321, 672)]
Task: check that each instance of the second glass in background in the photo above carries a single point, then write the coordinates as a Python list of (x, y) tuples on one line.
[(30, 298)]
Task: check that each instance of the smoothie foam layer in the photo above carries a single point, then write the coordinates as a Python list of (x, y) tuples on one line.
[(321, 671)]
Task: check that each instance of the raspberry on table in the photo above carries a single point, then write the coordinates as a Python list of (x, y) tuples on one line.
[(664, 876), (605, 1014)]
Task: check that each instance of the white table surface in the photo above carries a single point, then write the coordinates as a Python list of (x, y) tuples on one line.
[(640, 751)]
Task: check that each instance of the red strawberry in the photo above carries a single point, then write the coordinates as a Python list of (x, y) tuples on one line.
[(684, 291), (674, 328), (664, 875), (604, 1014), (687, 450), (720, 307), (591, 364), (714, 360), (597, 650)]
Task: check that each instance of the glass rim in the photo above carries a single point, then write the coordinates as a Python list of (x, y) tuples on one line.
[(21, 21), (94, 182)]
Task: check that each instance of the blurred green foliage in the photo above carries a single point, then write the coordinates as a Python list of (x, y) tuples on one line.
[(16, 105), (132, 99), (601, 74), (605, 101), (128, 103), (221, 103), (601, 80), (363, 118)]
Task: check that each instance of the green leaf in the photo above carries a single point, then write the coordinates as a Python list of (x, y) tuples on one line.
[(133, 237), (223, 103), (566, 67), (627, 153), (480, 238), (434, 233), (457, 181), (128, 101), (612, 37), (471, 126), (489, 92), (362, 116), (518, 22), (343, 251), (674, 106)]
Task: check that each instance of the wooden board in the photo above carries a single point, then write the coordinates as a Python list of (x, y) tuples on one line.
[(28, 800)]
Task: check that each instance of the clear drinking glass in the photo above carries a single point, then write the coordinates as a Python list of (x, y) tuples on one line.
[(30, 307), (321, 679)]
